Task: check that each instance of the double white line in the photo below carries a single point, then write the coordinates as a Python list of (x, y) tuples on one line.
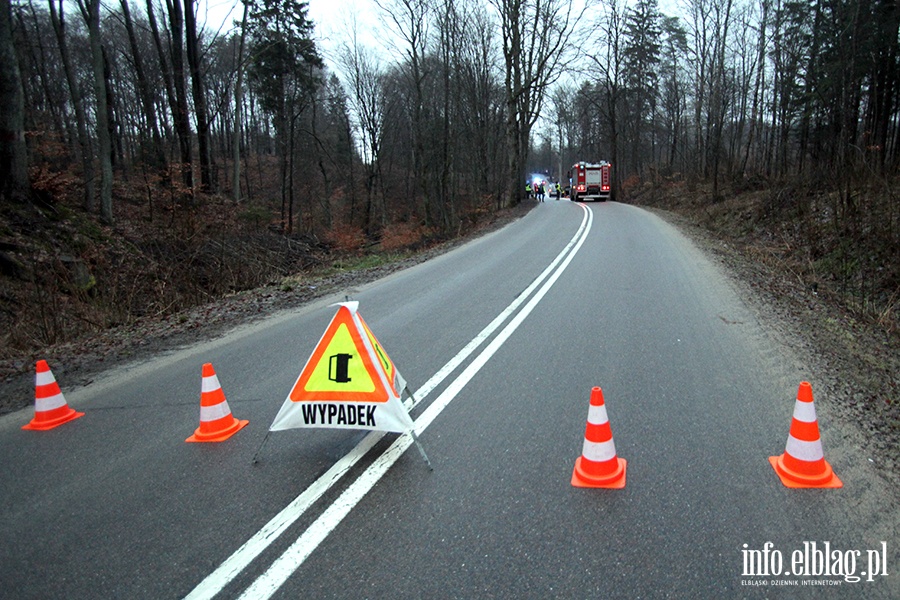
[(275, 576)]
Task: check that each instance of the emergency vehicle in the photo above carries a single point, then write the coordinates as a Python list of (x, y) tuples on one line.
[(590, 181)]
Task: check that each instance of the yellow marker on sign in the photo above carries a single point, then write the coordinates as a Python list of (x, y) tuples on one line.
[(393, 376)]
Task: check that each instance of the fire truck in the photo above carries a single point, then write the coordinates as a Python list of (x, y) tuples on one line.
[(590, 181)]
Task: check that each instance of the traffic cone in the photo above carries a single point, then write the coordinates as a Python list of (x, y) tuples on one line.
[(803, 463), (50, 406), (598, 466), (216, 421)]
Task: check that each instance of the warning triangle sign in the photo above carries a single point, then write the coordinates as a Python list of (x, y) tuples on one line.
[(340, 368), (349, 381)]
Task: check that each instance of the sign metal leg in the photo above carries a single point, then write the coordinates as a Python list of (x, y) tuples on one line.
[(412, 432)]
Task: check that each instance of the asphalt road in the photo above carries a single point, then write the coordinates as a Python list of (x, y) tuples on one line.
[(501, 341)]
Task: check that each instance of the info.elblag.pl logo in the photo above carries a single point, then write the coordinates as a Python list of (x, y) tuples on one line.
[(813, 560)]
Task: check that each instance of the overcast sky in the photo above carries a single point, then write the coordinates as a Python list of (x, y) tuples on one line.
[(331, 17), (333, 20)]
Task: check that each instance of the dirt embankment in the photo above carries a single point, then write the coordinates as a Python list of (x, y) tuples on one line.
[(309, 271), (786, 266)]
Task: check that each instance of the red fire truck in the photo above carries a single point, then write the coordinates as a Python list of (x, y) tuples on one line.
[(590, 181)]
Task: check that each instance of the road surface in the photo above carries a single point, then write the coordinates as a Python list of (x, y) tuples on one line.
[(501, 341)]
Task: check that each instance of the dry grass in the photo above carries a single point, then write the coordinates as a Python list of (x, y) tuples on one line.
[(397, 236)]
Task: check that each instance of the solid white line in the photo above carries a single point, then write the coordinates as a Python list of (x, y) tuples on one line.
[(243, 556), (275, 576)]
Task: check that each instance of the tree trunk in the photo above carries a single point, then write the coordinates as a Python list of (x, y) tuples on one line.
[(13, 152), (882, 93), (115, 140), (719, 93), (54, 106), (409, 18), (157, 155), (292, 138), (182, 119), (756, 109), (91, 13), (238, 108), (84, 140), (161, 54), (199, 92), (512, 51)]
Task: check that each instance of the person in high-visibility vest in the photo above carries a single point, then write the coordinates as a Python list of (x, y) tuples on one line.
[(558, 191), (528, 190)]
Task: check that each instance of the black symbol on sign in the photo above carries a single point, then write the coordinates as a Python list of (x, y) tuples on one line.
[(337, 367)]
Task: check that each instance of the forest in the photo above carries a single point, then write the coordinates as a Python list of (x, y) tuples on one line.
[(148, 163)]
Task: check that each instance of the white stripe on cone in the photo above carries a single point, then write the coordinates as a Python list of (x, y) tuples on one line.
[(51, 403), (802, 450), (597, 415), (209, 384), (44, 378), (805, 412), (215, 412), (599, 451)]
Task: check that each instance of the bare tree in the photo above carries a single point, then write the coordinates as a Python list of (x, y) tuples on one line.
[(363, 75), (57, 18), (90, 10), (157, 153), (450, 40), (536, 35), (562, 106), (672, 89), (238, 110), (610, 64), (482, 102), (723, 12), (198, 89), (755, 127), (408, 19), (178, 97)]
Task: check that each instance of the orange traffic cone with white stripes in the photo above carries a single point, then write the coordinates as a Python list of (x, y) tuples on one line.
[(217, 424), (599, 466), (803, 463), (50, 406)]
